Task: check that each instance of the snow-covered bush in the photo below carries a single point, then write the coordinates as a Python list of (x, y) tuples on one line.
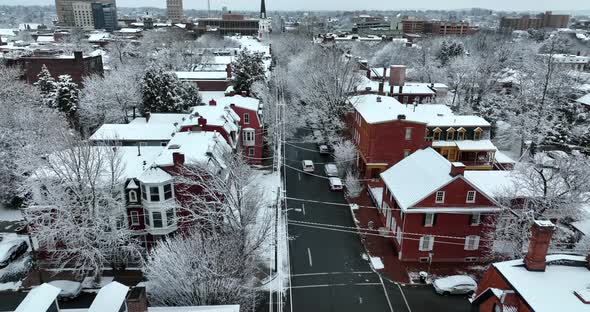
[(345, 154), (352, 184)]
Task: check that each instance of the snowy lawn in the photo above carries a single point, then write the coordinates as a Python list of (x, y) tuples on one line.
[(9, 214), (14, 286)]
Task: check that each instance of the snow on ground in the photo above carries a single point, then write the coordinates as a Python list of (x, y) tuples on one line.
[(376, 263), (16, 270), (14, 286), (89, 286), (8, 214)]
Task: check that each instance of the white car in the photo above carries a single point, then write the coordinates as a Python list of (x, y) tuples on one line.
[(11, 249), (335, 184), (331, 170), (324, 149), (307, 166), (455, 285), (69, 289)]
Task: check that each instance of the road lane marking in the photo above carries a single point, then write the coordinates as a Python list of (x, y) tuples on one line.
[(303, 207), (404, 296), (331, 273), (335, 285), (386, 295), (309, 254), (299, 175)]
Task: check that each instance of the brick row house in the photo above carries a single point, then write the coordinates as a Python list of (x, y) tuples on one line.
[(433, 210), (386, 131)]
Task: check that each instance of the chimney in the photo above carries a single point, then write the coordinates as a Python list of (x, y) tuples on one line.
[(212, 103), (78, 56), (397, 75), (202, 121), (244, 93), (368, 72), (378, 99), (457, 168), (381, 87), (137, 300), (228, 71), (390, 90), (178, 159), (541, 233), (401, 91), (147, 116), (384, 72)]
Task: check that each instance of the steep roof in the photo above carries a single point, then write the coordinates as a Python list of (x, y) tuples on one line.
[(134, 132), (584, 100), (195, 146)]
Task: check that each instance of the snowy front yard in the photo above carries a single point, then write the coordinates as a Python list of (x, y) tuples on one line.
[(9, 214)]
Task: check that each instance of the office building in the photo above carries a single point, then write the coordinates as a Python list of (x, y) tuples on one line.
[(540, 21), (174, 10)]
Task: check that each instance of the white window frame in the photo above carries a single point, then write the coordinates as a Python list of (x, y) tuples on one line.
[(251, 151), (436, 197), (430, 222), (426, 239), (248, 137), (246, 118), (473, 194), (408, 134), (472, 217), (407, 153), (133, 196), (472, 242), (134, 217)]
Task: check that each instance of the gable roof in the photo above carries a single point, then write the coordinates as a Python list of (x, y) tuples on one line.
[(39, 298), (416, 176), (110, 298), (584, 100)]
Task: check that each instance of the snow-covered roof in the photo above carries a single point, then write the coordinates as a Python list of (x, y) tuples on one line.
[(584, 100), (495, 183), (553, 289), (6, 32), (408, 88), (98, 36), (130, 30), (252, 44), (160, 118), (134, 132), (479, 145), (45, 39), (110, 298), (39, 298), (202, 75), (216, 116), (416, 176), (207, 96), (28, 26), (436, 115), (154, 175), (195, 146), (571, 59), (215, 308), (244, 102), (503, 158)]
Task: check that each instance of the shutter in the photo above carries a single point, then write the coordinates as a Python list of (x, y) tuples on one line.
[(424, 219), (476, 243), (431, 243), (434, 219)]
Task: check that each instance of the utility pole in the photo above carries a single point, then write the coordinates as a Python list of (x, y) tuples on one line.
[(209, 8)]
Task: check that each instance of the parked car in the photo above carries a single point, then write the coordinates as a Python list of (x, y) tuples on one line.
[(455, 285), (331, 170), (324, 149), (11, 249), (69, 289), (307, 166), (336, 184)]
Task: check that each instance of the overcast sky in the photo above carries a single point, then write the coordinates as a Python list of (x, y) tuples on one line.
[(254, 5)]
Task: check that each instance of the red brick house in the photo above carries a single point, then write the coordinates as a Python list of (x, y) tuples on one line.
[(406, 128), (208, 80), (539, 282), (433, 211)]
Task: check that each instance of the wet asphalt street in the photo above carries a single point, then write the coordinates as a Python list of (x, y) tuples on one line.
[(328, 271)]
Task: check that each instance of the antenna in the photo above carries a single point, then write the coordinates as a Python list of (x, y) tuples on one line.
[(209, 8)]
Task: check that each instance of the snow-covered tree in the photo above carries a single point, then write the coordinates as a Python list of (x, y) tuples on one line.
[(345, 155), (46, 85), (195, 269), (163, 93), (352, 184), (110, 99), (67, 99), (76, 209), (247, 68)]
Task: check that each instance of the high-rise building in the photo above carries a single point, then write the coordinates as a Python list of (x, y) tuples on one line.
[(525, 22), (64, 10), (174, 10), (82, 11), (105, 16)]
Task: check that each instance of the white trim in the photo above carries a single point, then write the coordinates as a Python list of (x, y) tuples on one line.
[(472, 242), (436, 200), (133, 196), (470, 201), (465, 210), (431, 223)]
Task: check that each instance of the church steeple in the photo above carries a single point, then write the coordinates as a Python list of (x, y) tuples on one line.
[(262, 10)]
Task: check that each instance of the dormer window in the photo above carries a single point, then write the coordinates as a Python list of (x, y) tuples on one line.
[(133, 196), (450, 134), (436, 134), (477, 133), (461, 134)]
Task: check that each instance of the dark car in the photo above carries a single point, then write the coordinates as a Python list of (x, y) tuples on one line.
[(11, 249)]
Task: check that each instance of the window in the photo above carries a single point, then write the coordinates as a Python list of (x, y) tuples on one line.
[(429, 219), (407, 153), (461, 134), (477, 133), (167, 191), (440, 197), (248, 137), (132, 196), (450, 134), (436, 134), (157, 218), (170, 217), (154, 194), (470, 197), (143, 192), (475, 219), (426, 243), (250, 151), (134, 218), (408, 134), (471, 242), (246, 118), (146, 218), (398, 235)]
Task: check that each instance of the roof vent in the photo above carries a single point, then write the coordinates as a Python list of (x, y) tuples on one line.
[(439, 115), (174, 147), (378, 99), (401, 117)]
